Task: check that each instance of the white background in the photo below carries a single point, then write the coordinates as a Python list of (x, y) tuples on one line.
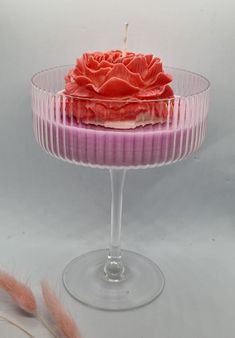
[(181, 216)]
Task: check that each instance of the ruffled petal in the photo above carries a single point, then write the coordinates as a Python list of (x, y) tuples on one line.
[(122, 72), (138, 65), (148, 94), (82, 80), (72, 89), (92, 63), (97, 77), (116, 87), (163, 79), (153, 72), (105, 64), (148, 58), (80, 65), (168, 92), (154, 60), (126, 60)]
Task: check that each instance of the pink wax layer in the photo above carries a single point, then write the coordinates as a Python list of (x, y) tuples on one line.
[(98, 146)]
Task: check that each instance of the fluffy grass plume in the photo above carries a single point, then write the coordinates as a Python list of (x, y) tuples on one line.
[(20, 292), (64, 323)]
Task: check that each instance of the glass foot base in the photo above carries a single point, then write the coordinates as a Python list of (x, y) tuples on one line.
[(84, 279)]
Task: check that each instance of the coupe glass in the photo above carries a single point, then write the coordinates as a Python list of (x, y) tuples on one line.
[(115, 279)]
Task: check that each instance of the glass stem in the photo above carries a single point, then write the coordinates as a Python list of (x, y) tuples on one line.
[(114, 268)]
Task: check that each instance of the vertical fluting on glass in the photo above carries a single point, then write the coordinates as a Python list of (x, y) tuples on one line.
[(167, 129), (46, 111), (200, 108), (206, 107), (41, 119), (182, 107), (185, 127), (63, 113), (174, 127), (197, 122), (182, 132), (56, 128), (33, 104), (71, 140), (49, 124), (191, 113)]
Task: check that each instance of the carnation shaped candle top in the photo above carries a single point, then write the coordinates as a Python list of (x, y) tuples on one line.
[(118, 89), (112, 75)]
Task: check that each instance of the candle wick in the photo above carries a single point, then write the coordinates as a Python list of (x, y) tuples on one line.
[(125, 40)]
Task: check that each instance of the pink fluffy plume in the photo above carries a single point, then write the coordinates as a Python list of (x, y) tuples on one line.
[(20, 292), (65, 324)]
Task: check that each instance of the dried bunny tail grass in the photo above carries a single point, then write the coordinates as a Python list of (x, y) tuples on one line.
[(24, 298), (20, 292), (19, 327), (65, 324)]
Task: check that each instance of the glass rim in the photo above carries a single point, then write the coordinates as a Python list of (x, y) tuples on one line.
[(118, 100)]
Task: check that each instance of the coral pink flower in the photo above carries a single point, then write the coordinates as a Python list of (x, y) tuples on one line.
[(101, 84)]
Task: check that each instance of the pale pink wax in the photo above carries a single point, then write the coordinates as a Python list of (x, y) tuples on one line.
[(99, 146)]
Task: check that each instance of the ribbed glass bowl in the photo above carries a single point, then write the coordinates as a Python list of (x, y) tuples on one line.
[(84, 141)]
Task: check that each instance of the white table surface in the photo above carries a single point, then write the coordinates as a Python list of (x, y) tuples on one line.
[(181, 216)]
